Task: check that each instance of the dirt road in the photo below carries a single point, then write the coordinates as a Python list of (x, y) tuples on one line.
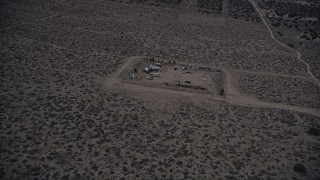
[(232, 96), (284, 45)]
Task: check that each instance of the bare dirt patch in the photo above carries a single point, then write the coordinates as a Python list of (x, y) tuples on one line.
[(171, 75)]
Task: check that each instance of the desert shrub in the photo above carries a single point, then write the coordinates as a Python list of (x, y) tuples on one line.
[(2, 173), (222, 92), (299, 168), (314, 131)]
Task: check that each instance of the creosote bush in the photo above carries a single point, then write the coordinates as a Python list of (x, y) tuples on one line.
[(299, 168), (314, 131)]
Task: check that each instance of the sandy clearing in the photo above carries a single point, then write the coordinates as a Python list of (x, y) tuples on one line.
[(232, 96)]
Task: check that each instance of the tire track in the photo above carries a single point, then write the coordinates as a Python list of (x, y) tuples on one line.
[(43, 18), (231, 95)]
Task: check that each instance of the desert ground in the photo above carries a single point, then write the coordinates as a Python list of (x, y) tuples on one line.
[(70, 111)]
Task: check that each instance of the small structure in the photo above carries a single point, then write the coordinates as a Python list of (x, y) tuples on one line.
[(184, 67), (131, 75), (156, 67)]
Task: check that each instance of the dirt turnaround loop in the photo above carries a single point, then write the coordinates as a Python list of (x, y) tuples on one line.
[(232, 95)]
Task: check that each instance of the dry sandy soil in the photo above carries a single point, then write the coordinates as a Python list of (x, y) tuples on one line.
[(194, 78), (67, 113)]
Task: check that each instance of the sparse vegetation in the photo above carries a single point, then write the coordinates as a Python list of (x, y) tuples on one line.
[(294, 95), (169, 2), (210, 6), (240, 9), (64, 115), (293, 16)]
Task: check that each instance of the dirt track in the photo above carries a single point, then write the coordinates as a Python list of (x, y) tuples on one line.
[(232, 96), (47, 17), (284, 45)]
